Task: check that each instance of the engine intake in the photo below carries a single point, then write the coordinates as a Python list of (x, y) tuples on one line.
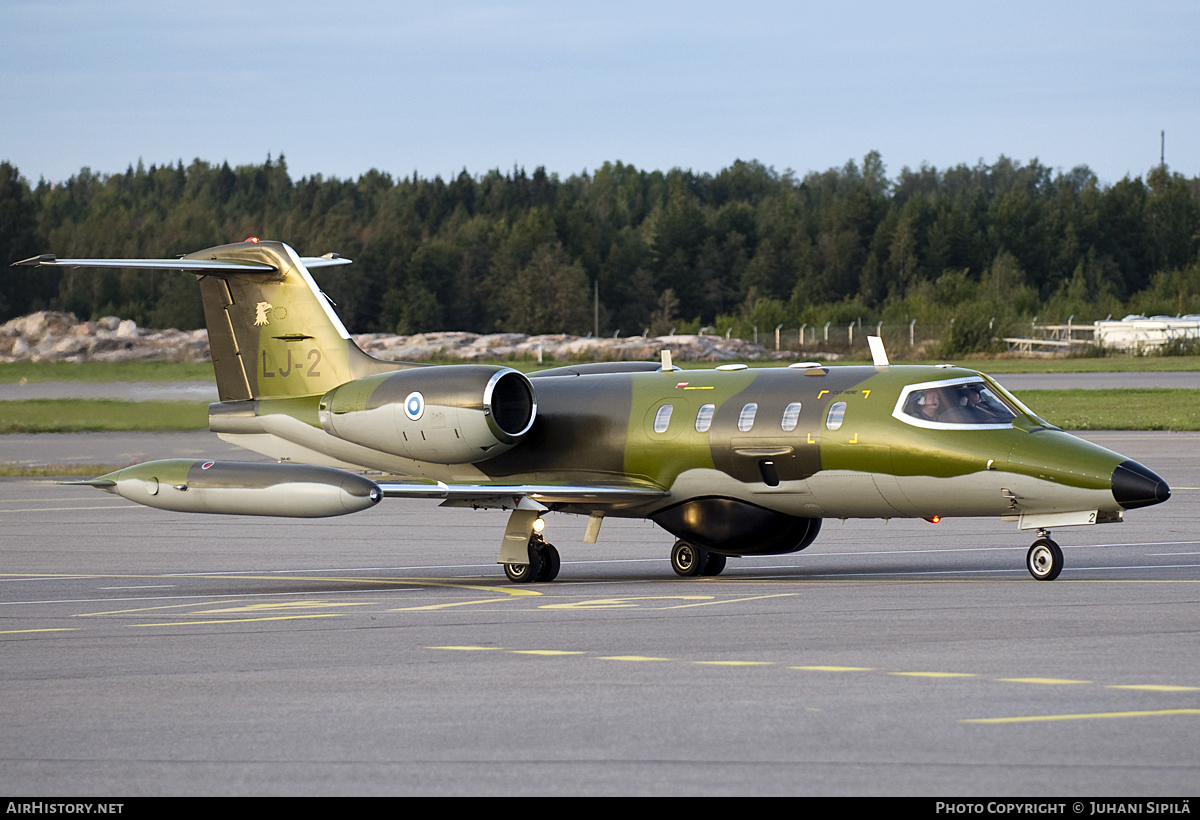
[(444, 414)]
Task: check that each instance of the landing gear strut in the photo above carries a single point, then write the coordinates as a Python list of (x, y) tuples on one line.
[(689, 560), (543, 563), (1044, 559)]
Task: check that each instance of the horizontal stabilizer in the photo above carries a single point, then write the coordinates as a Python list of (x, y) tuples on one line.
[(49, 260), (208, 266)]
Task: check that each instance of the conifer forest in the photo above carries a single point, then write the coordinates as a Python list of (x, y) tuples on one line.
[(987, 246)]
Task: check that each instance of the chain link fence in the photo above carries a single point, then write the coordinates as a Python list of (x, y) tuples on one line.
[(901, 341)]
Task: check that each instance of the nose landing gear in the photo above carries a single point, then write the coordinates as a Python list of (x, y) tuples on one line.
[(1044, 559), (543, 563)]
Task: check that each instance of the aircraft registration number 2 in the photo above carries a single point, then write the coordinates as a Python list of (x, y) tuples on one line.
[(306, 367)]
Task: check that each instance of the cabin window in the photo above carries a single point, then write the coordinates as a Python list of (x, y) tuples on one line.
[(791, 415), (704, 418), (746, 417), (836, 411), (662, 419)]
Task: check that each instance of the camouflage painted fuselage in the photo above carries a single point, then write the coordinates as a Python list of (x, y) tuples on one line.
[(599, 429), (732, 459)]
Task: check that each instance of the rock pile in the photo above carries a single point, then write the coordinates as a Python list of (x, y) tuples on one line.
[(49, 336), (559, 347), (52, 336)]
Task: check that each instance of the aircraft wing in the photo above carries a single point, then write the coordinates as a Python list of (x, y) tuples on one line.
[(508, 497)]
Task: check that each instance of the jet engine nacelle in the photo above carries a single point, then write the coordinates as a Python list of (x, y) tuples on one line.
[(242, 488), (457, 414)]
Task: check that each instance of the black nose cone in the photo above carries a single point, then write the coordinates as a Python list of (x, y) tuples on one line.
[(1134, 486)]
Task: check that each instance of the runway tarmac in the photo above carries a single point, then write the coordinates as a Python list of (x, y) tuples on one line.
[(37, 449), (148, 652)]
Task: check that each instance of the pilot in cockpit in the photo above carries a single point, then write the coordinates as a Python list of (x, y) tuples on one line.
[(969, 409), (926, 405)]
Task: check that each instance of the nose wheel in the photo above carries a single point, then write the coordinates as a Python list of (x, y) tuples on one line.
[(543, 563), (1044, 559)]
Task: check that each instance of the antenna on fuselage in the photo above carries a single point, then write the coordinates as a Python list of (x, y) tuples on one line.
[(878, 354)]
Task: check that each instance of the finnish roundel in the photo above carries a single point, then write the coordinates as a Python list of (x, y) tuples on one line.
[(414, 406)]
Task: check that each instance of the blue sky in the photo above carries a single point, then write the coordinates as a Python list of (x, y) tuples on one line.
[(343, 87)]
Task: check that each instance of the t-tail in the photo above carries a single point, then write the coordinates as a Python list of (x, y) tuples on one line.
[(272, 333)]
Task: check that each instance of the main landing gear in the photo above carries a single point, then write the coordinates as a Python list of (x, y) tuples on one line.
[(689, 560), (1044, 559), (543, 563)]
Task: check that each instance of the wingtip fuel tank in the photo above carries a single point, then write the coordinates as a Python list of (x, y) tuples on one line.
[(241, 488)]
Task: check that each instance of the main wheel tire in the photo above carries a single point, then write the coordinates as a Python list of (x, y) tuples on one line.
[(715, 564), (1044, 560), (550, 563), (688, 560)]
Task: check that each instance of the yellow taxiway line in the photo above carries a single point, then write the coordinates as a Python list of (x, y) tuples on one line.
[(1086, 716)]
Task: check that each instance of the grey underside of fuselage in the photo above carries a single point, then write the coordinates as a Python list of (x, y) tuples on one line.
[(846, 494)]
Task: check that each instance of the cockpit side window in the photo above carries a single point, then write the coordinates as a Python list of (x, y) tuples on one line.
[(955, 404)]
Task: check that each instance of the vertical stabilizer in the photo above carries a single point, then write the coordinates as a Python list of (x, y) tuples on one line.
[(274, 334)]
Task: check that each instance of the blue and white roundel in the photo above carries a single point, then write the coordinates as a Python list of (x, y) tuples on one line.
[(414, 406)]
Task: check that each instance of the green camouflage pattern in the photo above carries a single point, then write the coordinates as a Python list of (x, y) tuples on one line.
[(699, 451)]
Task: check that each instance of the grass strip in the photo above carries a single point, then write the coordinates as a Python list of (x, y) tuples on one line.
[(105, 371), (56, 470), (1064, 364), (1131, 409), (99, 415), (1106, 364)]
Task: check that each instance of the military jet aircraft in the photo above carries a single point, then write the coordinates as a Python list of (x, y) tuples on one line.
[(732, 461)]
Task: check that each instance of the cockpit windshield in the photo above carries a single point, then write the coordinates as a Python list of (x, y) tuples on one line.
[(955, 403)]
